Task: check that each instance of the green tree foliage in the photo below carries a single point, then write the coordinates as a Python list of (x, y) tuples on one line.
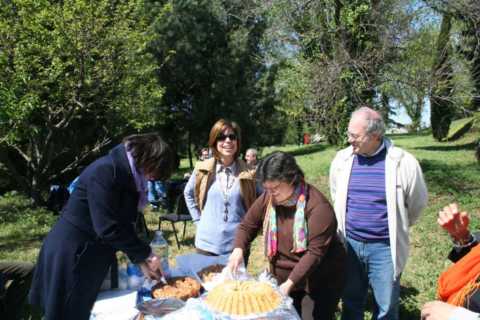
[(73, 77), (409, 77), (294, 94), (212, 65), (466, 13), (346, 45)]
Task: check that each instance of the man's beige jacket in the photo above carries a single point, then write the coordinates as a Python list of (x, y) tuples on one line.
[(406, 194)]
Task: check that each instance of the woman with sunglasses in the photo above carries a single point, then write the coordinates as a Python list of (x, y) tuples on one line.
[(220, 191), (299, 229)]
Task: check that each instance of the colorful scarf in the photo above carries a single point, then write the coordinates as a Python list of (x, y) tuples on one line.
[(300, 228), (460, 280)]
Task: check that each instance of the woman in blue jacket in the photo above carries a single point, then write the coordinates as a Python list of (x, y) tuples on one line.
[(98, 221)]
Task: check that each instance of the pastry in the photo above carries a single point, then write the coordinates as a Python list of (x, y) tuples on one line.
[(181, 288), (243, 298)]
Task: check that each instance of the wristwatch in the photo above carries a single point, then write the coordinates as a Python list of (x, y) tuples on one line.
[(464, 244)]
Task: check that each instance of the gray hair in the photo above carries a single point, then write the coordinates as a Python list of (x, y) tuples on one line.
[(375, 123), (252, 150)]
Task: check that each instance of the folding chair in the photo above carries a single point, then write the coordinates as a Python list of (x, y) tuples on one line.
[(181, 214)]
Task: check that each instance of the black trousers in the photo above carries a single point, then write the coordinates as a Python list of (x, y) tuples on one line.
[(322, 304), (14, 301)]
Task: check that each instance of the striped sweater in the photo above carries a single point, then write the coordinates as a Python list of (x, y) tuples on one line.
[(366, 218)]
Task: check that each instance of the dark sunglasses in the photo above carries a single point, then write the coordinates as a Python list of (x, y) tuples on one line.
[(223, 137)]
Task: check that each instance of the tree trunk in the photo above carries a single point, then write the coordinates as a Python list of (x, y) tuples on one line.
[(440, 104), (189, 150), (35, 192), (477, 151), (475, 74)]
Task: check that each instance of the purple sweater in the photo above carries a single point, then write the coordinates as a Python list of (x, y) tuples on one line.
[(367, 218)]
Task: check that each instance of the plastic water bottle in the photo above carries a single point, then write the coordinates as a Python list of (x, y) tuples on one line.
[(122, 279), (135, 277), (106, 284), (160, 248)]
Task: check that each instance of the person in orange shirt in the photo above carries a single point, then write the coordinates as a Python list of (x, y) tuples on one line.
[(458, 286)]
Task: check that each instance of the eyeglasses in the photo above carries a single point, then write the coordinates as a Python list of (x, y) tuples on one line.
[(273, 189), (355, 136), (223, 137), (277, 187)]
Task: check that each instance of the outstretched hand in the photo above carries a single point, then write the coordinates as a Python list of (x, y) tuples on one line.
[(235, 260), (286, 287), (151, 267), (437, 310), (454, 222)]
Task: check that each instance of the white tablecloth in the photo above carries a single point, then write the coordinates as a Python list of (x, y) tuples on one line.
[(115, 304), (120, 304), (190, 264)]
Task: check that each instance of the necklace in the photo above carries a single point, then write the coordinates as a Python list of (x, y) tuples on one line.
[(226, 186)]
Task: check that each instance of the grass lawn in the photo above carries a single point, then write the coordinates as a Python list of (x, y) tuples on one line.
[(450, 170)]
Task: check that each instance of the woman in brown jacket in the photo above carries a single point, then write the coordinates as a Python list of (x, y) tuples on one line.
[(299, 229), (220, 191)]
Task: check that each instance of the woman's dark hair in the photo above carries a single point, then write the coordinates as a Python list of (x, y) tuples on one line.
[(151, 154), (280, 166)]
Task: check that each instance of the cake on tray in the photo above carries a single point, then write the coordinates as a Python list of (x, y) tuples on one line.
[(243, 298), (181, 288)]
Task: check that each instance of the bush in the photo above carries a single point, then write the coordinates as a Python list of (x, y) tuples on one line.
[(459, 127), (291, 134), (15, 207)]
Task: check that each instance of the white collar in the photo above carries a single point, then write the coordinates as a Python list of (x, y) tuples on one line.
[(221, 168)]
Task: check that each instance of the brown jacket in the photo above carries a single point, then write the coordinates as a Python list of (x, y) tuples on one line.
[(205, 173)]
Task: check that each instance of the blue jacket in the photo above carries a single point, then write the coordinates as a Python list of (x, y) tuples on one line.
[(98, 221), (104, 204)]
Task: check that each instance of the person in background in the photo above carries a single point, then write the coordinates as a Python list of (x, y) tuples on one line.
[(220, 191), (13, 298), (57, 198), (157, 194), (204, 154), (73, 185), (378, 192), (304, 252), (251, 158), (458, 286), (97, 221)]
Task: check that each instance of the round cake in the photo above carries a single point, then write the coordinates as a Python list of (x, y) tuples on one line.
[(181, 288), (243, 298)]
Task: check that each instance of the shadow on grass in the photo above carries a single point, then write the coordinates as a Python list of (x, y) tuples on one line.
[(452, 179), (466, 146), (303, 150), (168, 233), (409, 134), (9, 243), (408, 310)]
